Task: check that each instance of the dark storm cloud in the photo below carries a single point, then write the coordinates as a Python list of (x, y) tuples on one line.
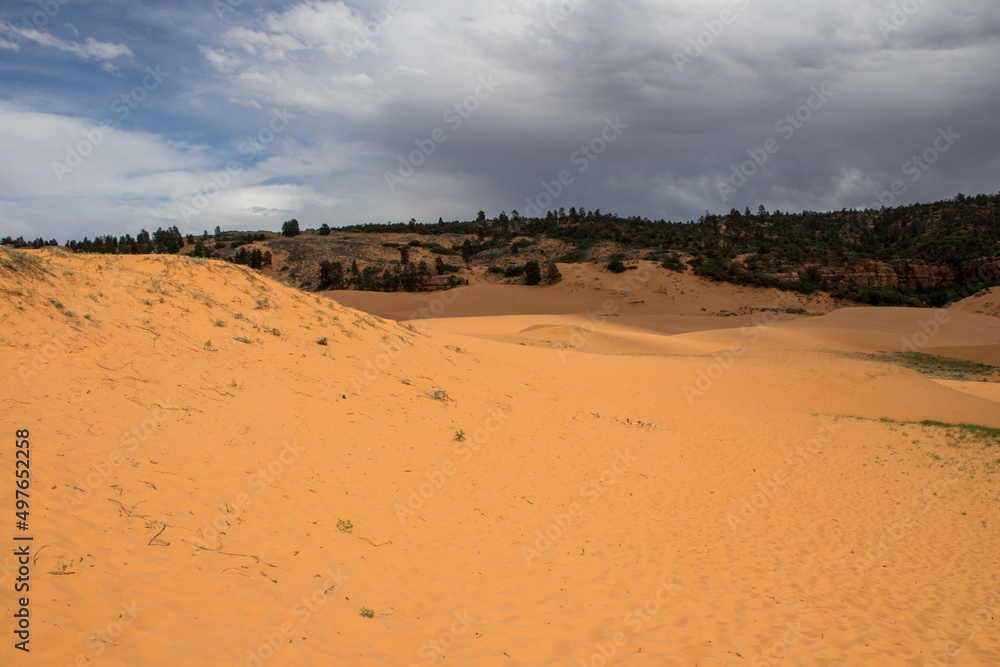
[(404, 109)]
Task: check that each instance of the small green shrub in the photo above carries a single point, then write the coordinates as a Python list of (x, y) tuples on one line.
[(513, 271), (674, 263)]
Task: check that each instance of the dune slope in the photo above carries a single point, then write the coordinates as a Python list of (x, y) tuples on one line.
[(250, 500)]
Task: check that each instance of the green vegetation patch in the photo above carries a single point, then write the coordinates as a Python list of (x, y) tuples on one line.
[(962, 433), (945, 368), (987, 435)]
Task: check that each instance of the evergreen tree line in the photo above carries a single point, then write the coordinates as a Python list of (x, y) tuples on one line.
[(19, 242), (944, 233), (163, 242), (407, 277)]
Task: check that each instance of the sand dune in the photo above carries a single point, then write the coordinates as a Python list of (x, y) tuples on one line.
[(639, 491), (647, 290)]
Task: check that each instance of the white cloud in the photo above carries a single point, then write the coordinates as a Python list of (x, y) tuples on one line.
[(253, 104), (145, 179), (327, 26), (221, 60), (410, 72), (91, 49)]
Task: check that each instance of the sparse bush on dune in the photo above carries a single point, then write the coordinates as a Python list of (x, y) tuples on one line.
[(17, 261), (674, 263), (616, 265)]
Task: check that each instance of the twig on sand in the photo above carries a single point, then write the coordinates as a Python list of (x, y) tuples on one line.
[(227, 553), (35, 559), (108, 368), (160, 543), (129, 512), (373, 543)]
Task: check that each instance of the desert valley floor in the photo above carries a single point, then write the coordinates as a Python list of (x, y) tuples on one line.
[(635, 469)]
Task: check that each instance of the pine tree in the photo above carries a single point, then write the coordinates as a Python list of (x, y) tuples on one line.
[(532, 273), (552, 274)]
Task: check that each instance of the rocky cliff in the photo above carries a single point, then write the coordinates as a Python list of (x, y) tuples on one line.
[(904, 273)]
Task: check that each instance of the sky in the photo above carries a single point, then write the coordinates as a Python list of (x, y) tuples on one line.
[(121, 115)]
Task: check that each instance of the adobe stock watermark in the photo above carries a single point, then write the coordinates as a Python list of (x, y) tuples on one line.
[(454, 116), (122, 106), (697, 45), (434, 649), (921, 503), (581, 158), (786, 127), (928, 329), (768, 489), (99, 473), (259, 481), (364, 38), (899, 17), (914, 168), (49, 9), (609, 308), (972, 625), (561, 12), (302, 611), (591, 492), (723, 361), (223, 7), (636, 622), (58, 343), (99, 641), (436, 477), (776, 651), (382, 362), (379, 366), (252, 146)]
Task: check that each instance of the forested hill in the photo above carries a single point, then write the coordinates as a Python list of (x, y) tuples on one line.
[(922, 254), (944, 233)]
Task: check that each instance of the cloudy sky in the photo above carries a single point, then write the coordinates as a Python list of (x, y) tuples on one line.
[(117, 115)]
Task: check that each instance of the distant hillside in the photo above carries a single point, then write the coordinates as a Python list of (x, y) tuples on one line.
[(918, 255)]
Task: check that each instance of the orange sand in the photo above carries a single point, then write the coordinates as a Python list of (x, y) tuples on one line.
[(640, 484)]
